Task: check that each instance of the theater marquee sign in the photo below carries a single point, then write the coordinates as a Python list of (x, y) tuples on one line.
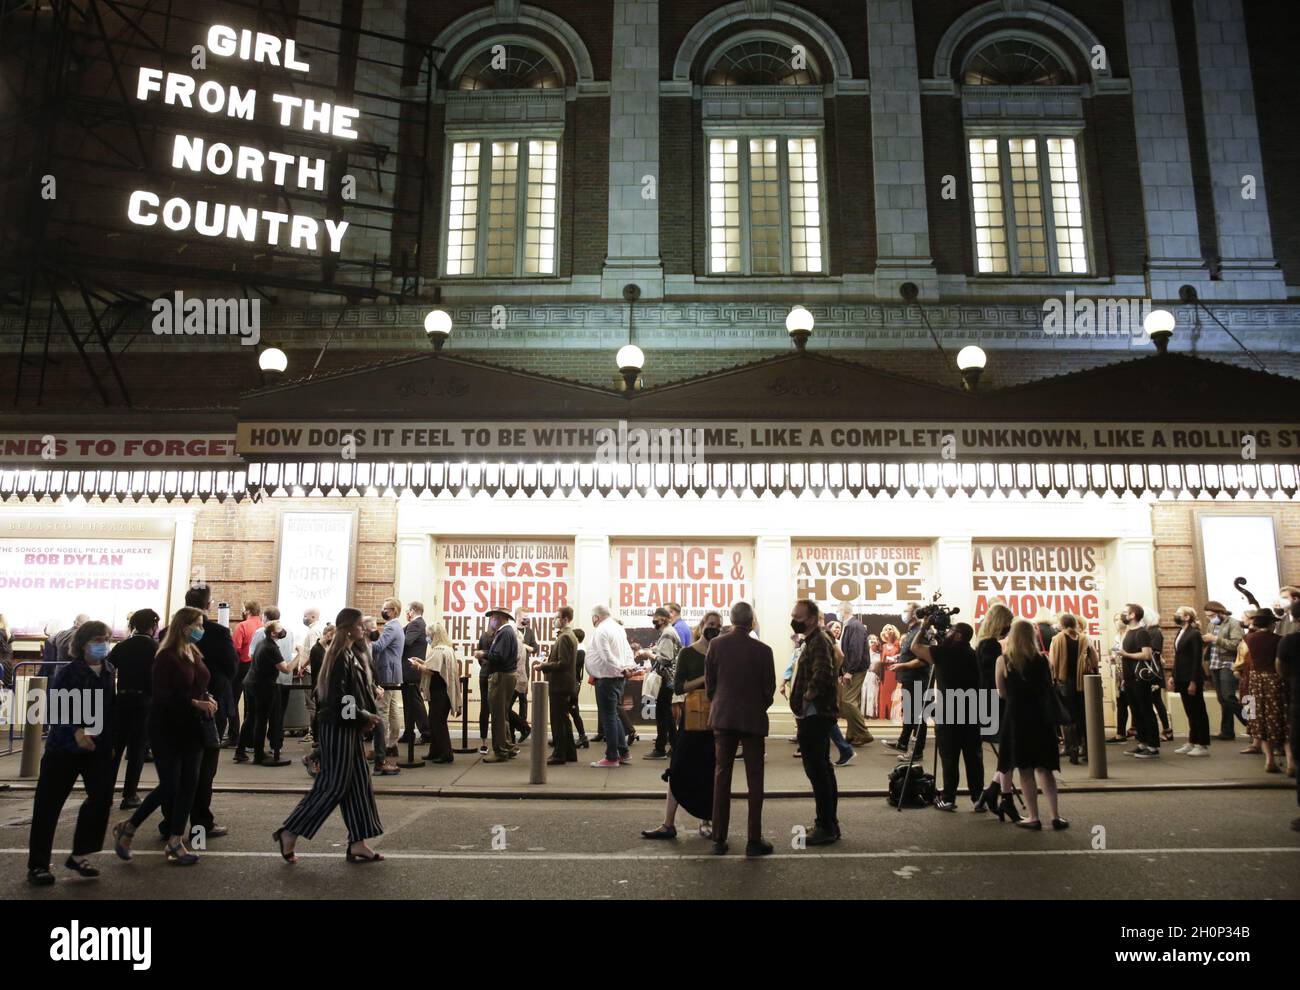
[(689, 441)]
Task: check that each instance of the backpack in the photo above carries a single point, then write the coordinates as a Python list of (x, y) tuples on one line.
[(911, 786)]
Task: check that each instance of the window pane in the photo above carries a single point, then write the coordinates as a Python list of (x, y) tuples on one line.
[(805, 205), (986, 199), (724, 205), (1067, 206), (539, 243), (1027, 202), (502, 206), (764, 207), (462, 208)]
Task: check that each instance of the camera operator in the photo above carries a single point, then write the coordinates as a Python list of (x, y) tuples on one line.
[(955, 669), (910, 672)]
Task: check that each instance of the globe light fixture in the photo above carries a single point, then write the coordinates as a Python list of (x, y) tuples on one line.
[(799, 324), (970, 362), (438, 326), (1159, 326), (274, 360), (630, 360)]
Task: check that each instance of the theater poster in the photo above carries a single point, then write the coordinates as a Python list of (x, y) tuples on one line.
[(699, 576), (865, 577), (314, 565), (475, 575), (1040, 575), (53, 568)]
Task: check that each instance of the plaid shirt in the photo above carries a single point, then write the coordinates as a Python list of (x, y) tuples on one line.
[(1223, 653)]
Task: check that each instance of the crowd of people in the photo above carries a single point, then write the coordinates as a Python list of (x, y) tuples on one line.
[(175, 694)]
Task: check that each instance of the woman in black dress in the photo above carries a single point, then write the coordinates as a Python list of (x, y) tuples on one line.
[(1024, 679), (994, 627), (690, 771)]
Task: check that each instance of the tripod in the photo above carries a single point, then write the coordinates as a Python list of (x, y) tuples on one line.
[(917, 736)]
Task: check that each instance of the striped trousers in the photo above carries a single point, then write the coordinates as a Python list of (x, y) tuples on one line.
[(343, 783)]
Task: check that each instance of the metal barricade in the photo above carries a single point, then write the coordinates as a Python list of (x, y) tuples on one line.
[(13, 708)]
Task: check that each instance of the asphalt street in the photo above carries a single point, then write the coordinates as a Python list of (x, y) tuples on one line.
[(1206, 844)]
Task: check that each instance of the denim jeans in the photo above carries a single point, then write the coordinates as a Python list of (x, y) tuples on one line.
[(837, 737), (609, 695), (1225, 688)]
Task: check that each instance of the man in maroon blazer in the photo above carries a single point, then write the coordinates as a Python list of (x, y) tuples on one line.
[(740, 678)]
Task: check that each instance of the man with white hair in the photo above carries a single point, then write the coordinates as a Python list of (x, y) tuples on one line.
[(608, 659), (63, 640)]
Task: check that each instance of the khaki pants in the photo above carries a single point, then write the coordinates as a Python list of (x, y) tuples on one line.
[(501, 692), (851, 706), (389, 712)]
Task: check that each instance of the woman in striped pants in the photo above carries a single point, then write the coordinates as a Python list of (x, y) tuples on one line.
[(345, 710)]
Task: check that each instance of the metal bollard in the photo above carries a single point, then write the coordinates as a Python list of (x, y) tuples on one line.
[(1092, 708), (541, 716), (32, 741)]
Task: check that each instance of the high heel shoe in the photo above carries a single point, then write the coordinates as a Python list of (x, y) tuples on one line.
[(288, 857), (988, 799), (123, 830), (1007, 807), (178, 855)]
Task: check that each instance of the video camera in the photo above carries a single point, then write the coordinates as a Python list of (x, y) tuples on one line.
[(940, 615)]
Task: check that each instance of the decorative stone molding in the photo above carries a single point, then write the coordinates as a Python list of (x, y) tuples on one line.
[(994, 103), (545, 21), (1033, 10), (697, 39), (533, 106), (767, 103)]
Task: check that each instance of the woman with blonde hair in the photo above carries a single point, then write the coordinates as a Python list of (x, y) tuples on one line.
[(890, 645), (345, 713), (1024, 679), (994, 627), (179, 702), (1072, 658), (440, 684)]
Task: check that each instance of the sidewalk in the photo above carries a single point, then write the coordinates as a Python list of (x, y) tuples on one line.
[(866, 776)]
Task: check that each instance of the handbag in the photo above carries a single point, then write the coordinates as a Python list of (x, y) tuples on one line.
[(1058, 712), (697, 711), (208, 728), (1148, 671), (652, 683)]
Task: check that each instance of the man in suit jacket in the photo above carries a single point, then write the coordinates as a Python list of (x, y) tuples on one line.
[(561, 668), (740, 678), (416, 646)]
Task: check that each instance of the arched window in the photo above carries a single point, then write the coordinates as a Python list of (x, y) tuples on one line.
[(764, 155), (510, 67), (505, 121), (762, 62), (1015, 62), (1025, 163)]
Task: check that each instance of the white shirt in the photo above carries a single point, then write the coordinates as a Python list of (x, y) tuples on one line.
[(608, 651), (308, 641)]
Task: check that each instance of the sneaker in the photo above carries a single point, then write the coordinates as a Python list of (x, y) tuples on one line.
[(891, 743), (625, 761), (1199, 751), (655, 754), (845, 759), (1184, 748), (483, 751), (1140, 751), (605, 764), (1146, 754), (821, 837), (943, 805)]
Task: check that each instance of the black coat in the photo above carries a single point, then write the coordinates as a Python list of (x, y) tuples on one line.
[(1188, 667), (416, 645)]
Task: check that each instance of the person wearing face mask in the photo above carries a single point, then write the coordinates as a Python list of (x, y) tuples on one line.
[(560, 668), (1223, 636), (1188, 679), (79, 746), (1290, 598), (664, 657), (180, 700), (911, 680), (415, 643), (133, 660), (242, 637), (346, 711), (268, 661), (528, 644), (386, 661), (500, 661), (1134, 652), (694, 758), (307, 640), (255, 694)]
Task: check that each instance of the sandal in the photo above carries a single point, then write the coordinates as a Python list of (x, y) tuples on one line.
[(372, 858), (123, 830), (178, 855), (277, 835), (1251, 751)]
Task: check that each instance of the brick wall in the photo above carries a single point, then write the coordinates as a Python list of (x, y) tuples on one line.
[(235, 546), (677, 167), (941, 130), (1174, 525)]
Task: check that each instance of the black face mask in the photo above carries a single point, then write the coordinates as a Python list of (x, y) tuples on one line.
[(711, 631), (799, 627), (374, 636), (1295, 611)]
